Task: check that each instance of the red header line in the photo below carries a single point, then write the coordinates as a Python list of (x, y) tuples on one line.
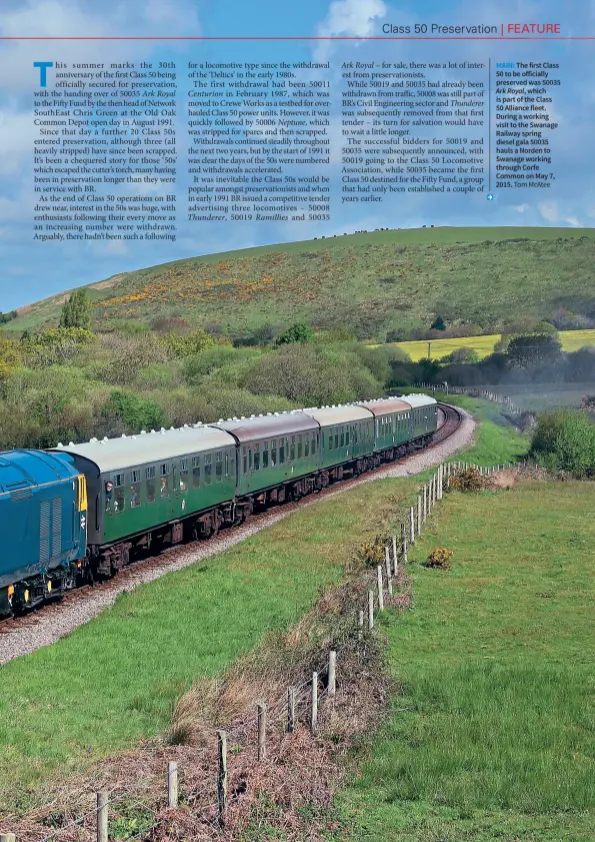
[(297, 38)]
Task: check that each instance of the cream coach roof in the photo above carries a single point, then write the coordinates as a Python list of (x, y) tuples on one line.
[(418, 400), (341, 414), (148, 448)]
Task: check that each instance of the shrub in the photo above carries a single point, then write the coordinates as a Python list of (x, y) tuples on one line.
[(468, 480), (440, 558), (371, 553), (126, 412), (564, 440)]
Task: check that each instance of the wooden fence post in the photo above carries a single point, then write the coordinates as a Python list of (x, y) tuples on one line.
[(332, 673), (7, 837), (389, 581), (172, 784), (425, 502), (262, 731), (222, 776), (102, 817), (360, 625), (290, 710), (370, 610), (404, 546), (380, 589), (395, 560), (418, 515), (412, 524), (314, 716)]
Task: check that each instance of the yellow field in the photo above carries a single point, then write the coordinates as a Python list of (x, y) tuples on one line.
[(571, 340)]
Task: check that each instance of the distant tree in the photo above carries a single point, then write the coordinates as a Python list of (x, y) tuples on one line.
[(461, 355), (438, 324), (397, 335), (532, 350), (299, 332), (77, 311)]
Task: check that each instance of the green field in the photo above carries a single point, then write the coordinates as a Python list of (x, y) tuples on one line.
[(493, 732), (369, 283), (572, 340)]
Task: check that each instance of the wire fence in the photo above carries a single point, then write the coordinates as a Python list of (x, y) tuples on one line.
[(301, 705)]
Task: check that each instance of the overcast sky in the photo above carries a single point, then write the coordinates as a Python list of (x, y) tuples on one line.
[(34, 270)]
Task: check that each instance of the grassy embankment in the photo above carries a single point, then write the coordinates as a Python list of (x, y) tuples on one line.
[(369, 283), (116, 680), (492, 732)]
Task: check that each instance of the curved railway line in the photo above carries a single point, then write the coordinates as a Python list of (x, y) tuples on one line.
[(449, 422)]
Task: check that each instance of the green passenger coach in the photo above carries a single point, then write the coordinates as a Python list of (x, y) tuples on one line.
[(142, 489), (347, 437), (275, 454)]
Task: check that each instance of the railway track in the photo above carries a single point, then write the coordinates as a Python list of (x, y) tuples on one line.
[(449, 421)]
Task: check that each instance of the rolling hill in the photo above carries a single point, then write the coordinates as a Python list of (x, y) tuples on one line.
[(369, 282)]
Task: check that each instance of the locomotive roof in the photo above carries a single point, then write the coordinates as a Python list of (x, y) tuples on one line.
[(23, 468), (267, 426), (147, 448), (419, 400), (386, 406), (341, 414)]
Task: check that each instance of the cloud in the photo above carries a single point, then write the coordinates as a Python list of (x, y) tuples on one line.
[(351, 18)]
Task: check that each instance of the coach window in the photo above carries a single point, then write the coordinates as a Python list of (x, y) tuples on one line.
[(299, 450), (292, 450), (331, 439), (265, 454), (337, 439), (347, 437), (164, 480), (256, 457), (135, 489), (119, 493), (208, 468), (273, 453), (218, 466), (226, 463), (245, 457), (250, 459), (183, 475), (281, 451), (150, 474), (196, 472), (342, 436), (307, 448)]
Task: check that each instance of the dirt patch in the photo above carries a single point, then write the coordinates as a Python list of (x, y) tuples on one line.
[(107, 284), (504, 480)]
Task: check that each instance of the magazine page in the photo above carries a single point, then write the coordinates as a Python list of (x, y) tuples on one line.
[(297, 382)]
